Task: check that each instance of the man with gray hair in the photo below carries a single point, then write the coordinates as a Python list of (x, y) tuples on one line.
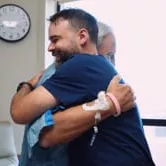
[(106, 42), (107, 47)]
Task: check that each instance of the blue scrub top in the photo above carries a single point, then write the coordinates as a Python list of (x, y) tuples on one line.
[(121, 140)]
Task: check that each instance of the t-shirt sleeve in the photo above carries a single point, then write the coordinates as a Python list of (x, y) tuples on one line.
[(69, 84)]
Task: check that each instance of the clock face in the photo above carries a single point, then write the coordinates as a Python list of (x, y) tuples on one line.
[(14, 23)]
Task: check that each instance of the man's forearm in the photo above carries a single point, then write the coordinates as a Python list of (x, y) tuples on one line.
[(23, 108), (70, 124), (25, 90)]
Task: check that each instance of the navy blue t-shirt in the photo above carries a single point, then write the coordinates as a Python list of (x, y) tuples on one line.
[(120, 140)]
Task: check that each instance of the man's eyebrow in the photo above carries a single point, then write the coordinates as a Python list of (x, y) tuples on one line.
[(54, 37)]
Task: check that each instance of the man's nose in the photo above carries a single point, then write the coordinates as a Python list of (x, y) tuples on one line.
[(51, 47)]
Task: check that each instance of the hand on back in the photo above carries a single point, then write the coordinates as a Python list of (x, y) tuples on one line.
[(123, 93)]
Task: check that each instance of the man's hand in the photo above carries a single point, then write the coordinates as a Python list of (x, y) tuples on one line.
[(34, 80), (123, 93)]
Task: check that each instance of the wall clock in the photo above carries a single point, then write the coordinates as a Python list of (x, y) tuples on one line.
[(14, 23)]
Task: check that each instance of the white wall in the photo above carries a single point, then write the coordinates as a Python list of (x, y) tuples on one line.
[(20, 61), (50, 10)]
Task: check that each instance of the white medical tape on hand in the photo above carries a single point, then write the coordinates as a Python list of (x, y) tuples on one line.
[(100, 103)]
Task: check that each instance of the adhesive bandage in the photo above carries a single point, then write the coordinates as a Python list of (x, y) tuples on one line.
[(100, 103)]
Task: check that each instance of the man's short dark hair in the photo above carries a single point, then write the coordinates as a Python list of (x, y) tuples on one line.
[(78, 19)]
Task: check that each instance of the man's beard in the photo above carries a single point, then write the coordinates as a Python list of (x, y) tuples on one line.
[(64, 55)]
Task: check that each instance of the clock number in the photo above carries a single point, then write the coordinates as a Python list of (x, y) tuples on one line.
[(26, 23), (4, 10), (18, 35), (23, 30), (11, 36), (24, 17), (3, 33), (18, 11), (11, 8), (1, 27)]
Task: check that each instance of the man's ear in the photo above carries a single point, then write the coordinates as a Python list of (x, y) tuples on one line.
[(83, 36)]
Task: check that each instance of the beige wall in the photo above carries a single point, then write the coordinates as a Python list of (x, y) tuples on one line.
[(19, 61)]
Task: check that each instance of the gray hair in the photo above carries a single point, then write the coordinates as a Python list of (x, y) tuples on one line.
[(103, 31)]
